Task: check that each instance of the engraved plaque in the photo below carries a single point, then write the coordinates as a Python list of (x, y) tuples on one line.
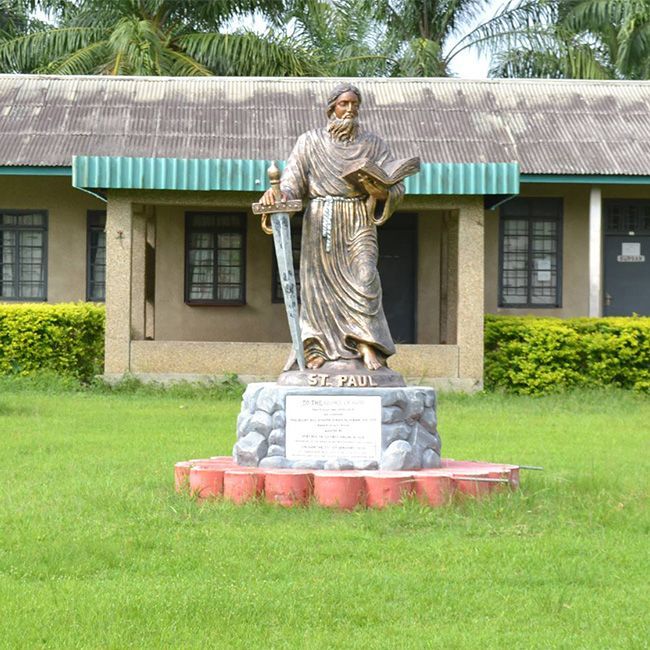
[(323, 427)]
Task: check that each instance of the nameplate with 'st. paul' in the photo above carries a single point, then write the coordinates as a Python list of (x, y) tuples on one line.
[(342, 381)]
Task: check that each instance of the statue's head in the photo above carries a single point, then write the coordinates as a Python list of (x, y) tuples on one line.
[(337, 92), (342, 112)]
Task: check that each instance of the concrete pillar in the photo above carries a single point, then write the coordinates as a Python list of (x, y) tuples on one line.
[(119, 244), (138, 249), (470, 283), (150, 275), (449, 279), (595, 252)]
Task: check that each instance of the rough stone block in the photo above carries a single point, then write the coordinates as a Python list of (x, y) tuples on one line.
[(391, 432), (275, 462), (430, 459), (414, 407), (269, 400), (279, 420), (277, 437), (428, 419), (339, 463), (398, 455), (392, 414), (261, 423), (250, 449), (308, 464), (423, 439), (366, 464), (250, 396), (243, 420), (275, 450), (394, 398)]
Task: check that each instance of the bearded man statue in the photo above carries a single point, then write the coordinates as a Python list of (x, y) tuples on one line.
[(341, 315)]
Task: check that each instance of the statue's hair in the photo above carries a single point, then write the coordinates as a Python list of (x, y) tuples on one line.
[(337, 91)]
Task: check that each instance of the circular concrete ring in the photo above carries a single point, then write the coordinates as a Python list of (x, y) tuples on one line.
[(467, 484), (241, 485), (288, 487), (206, 481), (344, 490), (386, 488), (435, 490), (182, 476)]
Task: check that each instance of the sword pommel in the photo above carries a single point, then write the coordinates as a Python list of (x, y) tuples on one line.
[(274, 179)]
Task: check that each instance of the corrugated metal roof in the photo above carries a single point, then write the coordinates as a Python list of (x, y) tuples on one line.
[(117, 172), (549, 126)]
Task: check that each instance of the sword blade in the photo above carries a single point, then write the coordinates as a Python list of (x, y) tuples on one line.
[(284, 256)]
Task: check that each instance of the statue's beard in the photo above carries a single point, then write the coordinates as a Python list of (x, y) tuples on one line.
[(343, 129)]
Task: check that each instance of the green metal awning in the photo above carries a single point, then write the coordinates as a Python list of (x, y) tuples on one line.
[(198, 174)]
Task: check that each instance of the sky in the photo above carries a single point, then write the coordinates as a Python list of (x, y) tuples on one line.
[(468, 65)]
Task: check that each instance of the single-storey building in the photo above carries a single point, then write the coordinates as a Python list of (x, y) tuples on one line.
[(533, 198)]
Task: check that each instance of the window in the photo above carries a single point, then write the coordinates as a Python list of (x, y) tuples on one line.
[(23, 255), (96, 256), (627, 217), (530, 253), (215, 258), (296, 239)]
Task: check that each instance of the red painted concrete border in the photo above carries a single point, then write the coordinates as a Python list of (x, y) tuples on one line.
[(219, 476)]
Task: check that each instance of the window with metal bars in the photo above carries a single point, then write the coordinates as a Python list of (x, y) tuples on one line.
[(215, 258), (23, 255), (96, 256), (627, 217), (530, 253)]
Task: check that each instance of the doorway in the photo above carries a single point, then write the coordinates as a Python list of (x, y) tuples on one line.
[(627, 258), (397, 266)]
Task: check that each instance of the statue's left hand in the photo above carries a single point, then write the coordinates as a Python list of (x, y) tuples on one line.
[(374, 190), (268, 198)]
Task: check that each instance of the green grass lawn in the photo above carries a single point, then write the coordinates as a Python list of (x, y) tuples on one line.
[(96, 549)]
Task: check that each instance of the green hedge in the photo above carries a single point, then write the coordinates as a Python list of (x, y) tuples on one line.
[(64, 338), (541, 355)]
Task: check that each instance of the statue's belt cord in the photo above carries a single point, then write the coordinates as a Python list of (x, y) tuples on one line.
[(327, 215)]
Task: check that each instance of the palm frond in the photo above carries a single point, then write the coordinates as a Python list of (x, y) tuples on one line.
[(32, 51), (248, 54), (180, 64), (86, 60)]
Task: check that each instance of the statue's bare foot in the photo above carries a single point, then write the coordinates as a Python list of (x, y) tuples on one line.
[(314, 362), (369, 355), (314, 356)]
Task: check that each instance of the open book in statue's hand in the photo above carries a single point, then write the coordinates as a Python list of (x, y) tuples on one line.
[(390, 174)]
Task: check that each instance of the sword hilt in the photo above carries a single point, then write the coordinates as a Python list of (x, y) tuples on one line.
[(279, 205)]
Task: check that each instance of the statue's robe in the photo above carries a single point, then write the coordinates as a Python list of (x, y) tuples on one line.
[(340, 289)]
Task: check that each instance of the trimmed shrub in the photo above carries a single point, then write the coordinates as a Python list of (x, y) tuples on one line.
[(541, 355), (67, 339)]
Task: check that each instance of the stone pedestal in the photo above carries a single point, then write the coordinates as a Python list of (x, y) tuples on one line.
[(388, 428)]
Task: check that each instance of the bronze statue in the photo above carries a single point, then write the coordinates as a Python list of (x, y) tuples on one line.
[(341, 316)]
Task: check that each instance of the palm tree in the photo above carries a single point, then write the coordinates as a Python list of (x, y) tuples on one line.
[(16, 19), (156, 37), (419, 32), (346, 38), (574, 39)]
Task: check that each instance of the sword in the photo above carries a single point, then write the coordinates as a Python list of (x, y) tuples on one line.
[(279, 213)]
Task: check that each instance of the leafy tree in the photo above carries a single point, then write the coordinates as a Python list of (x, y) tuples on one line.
[(419, 32), (574, 39), (16, 19), (345, 36), (155, 37)]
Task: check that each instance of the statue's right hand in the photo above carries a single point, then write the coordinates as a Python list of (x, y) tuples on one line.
[(268, 198)]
